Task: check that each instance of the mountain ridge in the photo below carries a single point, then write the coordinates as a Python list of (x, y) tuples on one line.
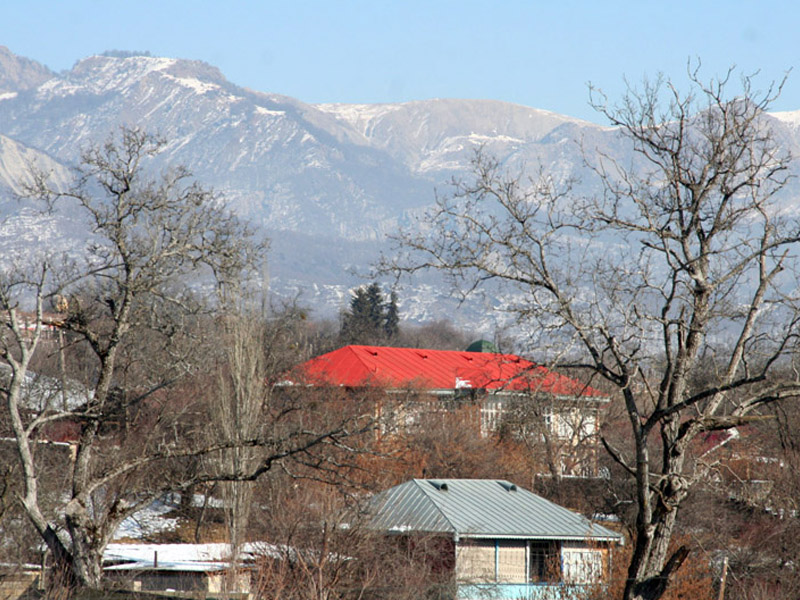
[(18, 73), (327, 182)]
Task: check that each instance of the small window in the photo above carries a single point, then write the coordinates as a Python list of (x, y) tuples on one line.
[(545, 562)]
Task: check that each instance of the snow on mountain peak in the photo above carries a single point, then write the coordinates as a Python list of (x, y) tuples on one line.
[(790, 117), (101, 73), (107, 71), (357, 114)]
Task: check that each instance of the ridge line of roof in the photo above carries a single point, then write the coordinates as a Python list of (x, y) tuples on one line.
[(439, 509), (437, 350), (352, 349)]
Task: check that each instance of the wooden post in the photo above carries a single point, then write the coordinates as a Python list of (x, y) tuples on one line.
[(722, 578), (42, 580), (62, 368)]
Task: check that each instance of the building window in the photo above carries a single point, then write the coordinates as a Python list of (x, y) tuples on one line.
[(544, 562), (491, 415)]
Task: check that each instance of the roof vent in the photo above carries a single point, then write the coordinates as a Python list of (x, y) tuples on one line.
[(509, 487), (442, 487)]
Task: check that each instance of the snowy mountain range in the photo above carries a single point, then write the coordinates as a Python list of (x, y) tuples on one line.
[(326, 182)]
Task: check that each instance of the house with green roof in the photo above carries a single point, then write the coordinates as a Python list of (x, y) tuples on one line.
[(506, 542)]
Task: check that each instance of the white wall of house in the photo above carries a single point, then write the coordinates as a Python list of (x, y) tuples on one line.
[(581, 564), (475, 561), (513, 561)]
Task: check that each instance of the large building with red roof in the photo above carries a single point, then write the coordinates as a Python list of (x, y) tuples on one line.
[(437, 371), (490, 381)]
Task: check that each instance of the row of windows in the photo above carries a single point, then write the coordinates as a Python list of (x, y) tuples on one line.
[(528, 561), (572, 424)]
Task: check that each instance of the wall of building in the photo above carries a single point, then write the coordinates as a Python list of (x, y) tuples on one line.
[(512, 562)]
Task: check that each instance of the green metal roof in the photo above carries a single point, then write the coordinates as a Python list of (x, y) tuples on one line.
[(480, 508), (482, 346)]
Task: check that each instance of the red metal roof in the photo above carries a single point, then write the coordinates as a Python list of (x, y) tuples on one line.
[(379, 366)]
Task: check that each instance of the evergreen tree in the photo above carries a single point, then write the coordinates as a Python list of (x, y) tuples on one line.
[(370, 319), (375, 304), (360, 310), (391, 324)]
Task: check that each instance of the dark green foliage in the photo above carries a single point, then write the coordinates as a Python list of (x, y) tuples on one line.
[(375, 307), (391, 325), (371, 319)]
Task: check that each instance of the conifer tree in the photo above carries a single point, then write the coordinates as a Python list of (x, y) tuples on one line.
[(375, 308), (391, 325), (370, 319)]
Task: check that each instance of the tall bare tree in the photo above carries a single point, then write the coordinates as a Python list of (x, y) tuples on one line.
[(131, 303), (684, 266), (148, 236), (236, 412), (257, 345)]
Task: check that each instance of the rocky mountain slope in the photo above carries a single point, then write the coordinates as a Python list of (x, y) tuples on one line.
[(326, 182), (19, 73)]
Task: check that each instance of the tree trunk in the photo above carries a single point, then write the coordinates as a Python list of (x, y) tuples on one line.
[(87, 568), (87, 548), (651, 566), (653, 588)]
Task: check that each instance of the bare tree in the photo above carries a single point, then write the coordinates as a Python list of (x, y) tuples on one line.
[(326, 550), (258, 344), (132, 304), (148, 236), (560, 434), (684, 262), (236, 412)]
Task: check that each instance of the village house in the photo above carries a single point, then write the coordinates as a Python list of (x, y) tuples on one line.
[(414, 381), (504, 541), (180, 570)]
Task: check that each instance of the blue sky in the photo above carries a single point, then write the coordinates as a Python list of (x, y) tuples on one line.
[(539, 54)]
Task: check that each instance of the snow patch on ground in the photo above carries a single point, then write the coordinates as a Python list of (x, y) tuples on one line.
[(147, 522), (41, 393), (201, 87), (479, 138), (355, 113), (153, 519), (361, 116)]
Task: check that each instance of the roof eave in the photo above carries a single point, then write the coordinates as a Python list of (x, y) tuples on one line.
[(527, 536)]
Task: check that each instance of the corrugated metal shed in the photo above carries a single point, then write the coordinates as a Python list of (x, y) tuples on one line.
[(358, 366), (480, 508)]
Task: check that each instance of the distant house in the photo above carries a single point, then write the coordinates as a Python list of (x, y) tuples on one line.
[(431, 380), (20, 581), (178, 569), (27, 320), (505, 542)]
